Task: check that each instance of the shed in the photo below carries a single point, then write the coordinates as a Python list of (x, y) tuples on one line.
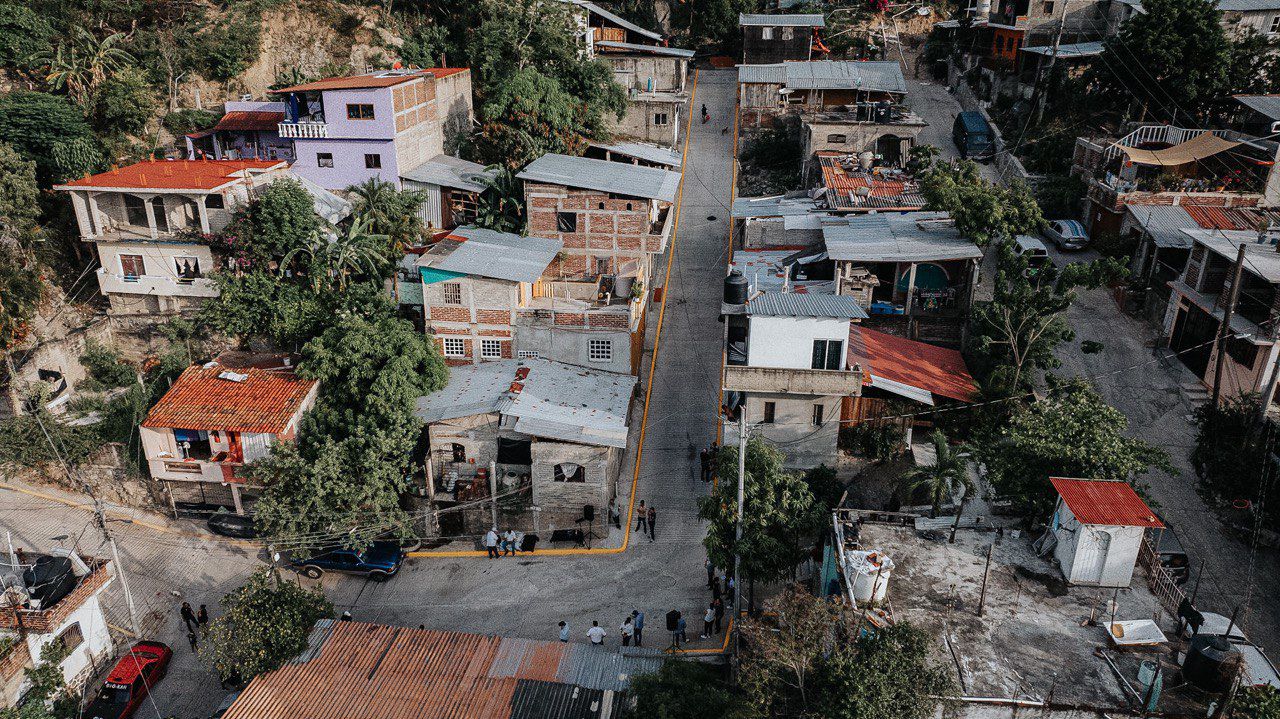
[(1098, 526)]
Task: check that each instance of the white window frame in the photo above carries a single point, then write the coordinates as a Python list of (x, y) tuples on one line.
[(457, 342), (447, 289), (1275, 24), (661, 119), (490, 349), (766, 33), (599, 350)]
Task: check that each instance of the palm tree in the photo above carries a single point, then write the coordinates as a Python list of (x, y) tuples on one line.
[(947, 475), (501, 204), (334, 261), (390, 212), (80, 65)]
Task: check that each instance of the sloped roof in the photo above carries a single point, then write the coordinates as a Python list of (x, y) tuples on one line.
[(1105, 502), (454, 172), (774, 74), (775, 206), (905, 237), (207, 175), (1248, 5), (382, 78), (1067, 51), (264, 401), (935, 370), (882, 75), (244, 120), (616, 19), (499, 255), (645, 49), (799, 304), (354, 670), (1266, 105), (1165, 224), (549, 399), (605, 176), (765, 20), (644, 151)]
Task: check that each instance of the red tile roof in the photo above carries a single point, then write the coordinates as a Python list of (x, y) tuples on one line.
[(265, 401), (1105, 502), (373, 80), (174, 174), (260, 120), (936, 369)]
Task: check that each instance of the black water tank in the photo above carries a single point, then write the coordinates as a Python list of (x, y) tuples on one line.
[(1211, 663), (735, 289)]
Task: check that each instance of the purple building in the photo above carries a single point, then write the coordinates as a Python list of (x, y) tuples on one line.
[(385, 124), (248, 130)]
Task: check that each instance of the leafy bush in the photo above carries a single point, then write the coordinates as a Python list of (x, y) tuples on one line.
[(189, 120), (23, 442), (1260, 702), (263, 624), (683, 689), (106, 367), (125, 103), (1231, 449), (880, 441), (228, 48), (21, 31), (50, 131), (1060, 195), (1116, 245), (774, 159)]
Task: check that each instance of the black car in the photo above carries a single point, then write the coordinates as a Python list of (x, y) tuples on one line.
[(232, 525), (379, 561)]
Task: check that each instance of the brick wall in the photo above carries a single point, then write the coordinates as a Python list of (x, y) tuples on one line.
[(48, 620), (611, 228)]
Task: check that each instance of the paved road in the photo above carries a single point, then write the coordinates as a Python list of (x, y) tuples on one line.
[(523, 597)]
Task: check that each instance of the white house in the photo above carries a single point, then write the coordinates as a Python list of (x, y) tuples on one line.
[(77, 620), (1098, 526)]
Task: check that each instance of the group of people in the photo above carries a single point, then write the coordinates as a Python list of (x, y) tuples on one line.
[(197, 623), (631, 630), (507, 540), (646, 520)]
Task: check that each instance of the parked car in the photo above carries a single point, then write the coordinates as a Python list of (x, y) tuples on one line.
[(973, 136), (129, 682), (227, 524), (379, 561), (1067, 234), (1032, 249)]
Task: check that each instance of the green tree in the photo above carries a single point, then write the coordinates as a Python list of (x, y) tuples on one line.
[(780, 514), (1072, 433), (1259, 702), (125, 103), (189, 120), (389, 212), (1172, 60), (280, 220), (886, 674), (984, 212), (106, 367), (825, 485), (19, 196), (948, 474), (1254, 67), (48, 130), (333, 263), (21, 29), (21, 289), (714, 22), (256, 304), (1232, 449), (501, 205), (47, 696), (81, 63), (683, 689), (528, 116), (264, 623)]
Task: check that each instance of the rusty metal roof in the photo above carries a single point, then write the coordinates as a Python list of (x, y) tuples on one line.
[(353, 670), (1110, 503)]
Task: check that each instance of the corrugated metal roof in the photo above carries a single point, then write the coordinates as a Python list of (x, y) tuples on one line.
[(371, 671), (263, 401), (1078, 49), (452, 172), (1165, 224), (552, 400), (649, 49), (500, 255), (1105, 502), (175, 175), (849, 188), (1248, 5), (246, 120), (881, 75), (793, 304), (1211, 217), (644, 151), (1259, 258), (776, 206), (616, 177), (768, 270), (382, 78), (763, 74), (763, 20), (616, 19), (1267, 105), (906, 237), (935, 370)]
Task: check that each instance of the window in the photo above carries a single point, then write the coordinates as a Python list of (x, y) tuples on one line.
[(661, 119), (454, 347), (769, 409), (1275, 25), (459, 453), (162, 215), (215, 202), (1048, 7), (837, 138), (566, 222), (132, 267), (373, 161), (135, 211), (71, 637), (817, 415), (766, 33), (602, 265), (324, 159), (828, 354), (490, 349), (528, 354), (569, 472), (187, 269), (359, 112), (452, 292), (600, 350), (788, 33)]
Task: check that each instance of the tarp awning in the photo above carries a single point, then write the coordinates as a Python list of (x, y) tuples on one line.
[(1197, 148)]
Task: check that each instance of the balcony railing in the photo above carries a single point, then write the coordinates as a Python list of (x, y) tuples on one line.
[(110, 282), (304, 130), (792, 381)]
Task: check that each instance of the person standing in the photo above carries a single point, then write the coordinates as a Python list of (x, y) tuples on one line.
[(710, 566), (653, 521), (627, 630), (596, 634), (715, 588), (680, 629), (202, 618), (191, 639), (509, 543), (706, 465), (718, 606), (564, 631), (708, 620), (642, 519), (189, 617), (491, 542), (637, 618)]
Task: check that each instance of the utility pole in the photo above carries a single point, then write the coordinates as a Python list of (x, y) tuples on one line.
[(737, 555), (1224, 330), (493, 493)]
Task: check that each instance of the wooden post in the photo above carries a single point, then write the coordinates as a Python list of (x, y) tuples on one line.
[(1225, 329), (986, 573)]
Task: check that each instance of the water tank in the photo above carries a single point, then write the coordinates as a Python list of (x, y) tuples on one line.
[(735, 288), (870, 573), (1211, 663)]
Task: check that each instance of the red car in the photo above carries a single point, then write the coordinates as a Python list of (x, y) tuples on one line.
[(130, 680)]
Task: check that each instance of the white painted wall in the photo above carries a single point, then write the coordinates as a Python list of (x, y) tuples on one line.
[(87, 658), (1095, 555), (788, 341)]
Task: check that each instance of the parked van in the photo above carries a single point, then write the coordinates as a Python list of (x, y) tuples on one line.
[(973, 136)]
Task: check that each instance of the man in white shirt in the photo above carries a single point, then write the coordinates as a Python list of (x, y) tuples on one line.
[(491, 542), (564, 631), (509, 542), (596, 634)]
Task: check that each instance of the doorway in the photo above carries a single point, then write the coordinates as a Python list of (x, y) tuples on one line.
[(1192, 338)]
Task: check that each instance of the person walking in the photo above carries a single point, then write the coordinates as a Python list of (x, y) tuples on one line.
[(673, 625), (708, 620), (189, 617), (596, 634), (653, 521), (627, 630), (705, 458), (705, 115), (680, 629), (491, 542), (509, 543), (718, 606), (564, 631), (202, 618), (710, 566), (642, 519), (191, 639), (637, 618)]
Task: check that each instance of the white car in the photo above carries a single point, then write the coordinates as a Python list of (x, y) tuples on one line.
[(1032, 249), (1067, 234)]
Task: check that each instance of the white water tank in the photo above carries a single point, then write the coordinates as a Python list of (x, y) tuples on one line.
[(870, 572)]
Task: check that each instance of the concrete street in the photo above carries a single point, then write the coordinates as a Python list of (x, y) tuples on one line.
[(525, 596)]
